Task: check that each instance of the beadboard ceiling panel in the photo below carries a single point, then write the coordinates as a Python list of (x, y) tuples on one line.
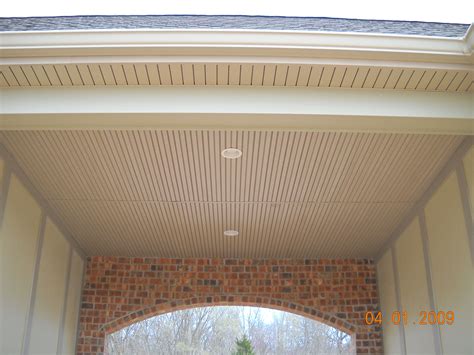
[(194, 229), (366, 77), (170, 192)]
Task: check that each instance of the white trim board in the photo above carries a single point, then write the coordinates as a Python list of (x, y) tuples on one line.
[(238, 108)]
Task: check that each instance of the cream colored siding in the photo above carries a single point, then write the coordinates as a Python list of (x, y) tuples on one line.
[(452, 268), (18, 240), (72, 306), (386, 280), (413, 289), (34, 257), (2, 165), (469, 169), (435, 269), (49, 292)]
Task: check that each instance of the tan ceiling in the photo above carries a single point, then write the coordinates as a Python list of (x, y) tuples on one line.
[(170, 193), (345, 76)]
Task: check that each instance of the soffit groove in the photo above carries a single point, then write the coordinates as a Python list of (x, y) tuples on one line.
[(170, 193), (175, 166), (287, 75)]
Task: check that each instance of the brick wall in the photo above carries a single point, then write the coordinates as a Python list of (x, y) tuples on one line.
[(119, 291)]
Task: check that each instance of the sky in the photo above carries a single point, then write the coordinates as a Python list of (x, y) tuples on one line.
[(454, 11)]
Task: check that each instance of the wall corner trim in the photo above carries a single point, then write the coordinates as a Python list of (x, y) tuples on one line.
[(7, 173), (398, 298), (466, 204), (64, 308), (79, 305), (429, 280), (31, 308)]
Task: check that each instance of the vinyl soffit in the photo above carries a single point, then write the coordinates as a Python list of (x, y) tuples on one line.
[(236, 57), (246, 74), (170, 193)]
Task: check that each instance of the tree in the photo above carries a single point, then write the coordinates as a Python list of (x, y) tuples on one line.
[(244, 346), (220, 329)]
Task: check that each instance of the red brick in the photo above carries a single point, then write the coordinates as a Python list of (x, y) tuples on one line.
[(119, 291)]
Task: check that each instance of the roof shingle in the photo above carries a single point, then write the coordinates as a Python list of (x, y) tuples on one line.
[(232, 22)]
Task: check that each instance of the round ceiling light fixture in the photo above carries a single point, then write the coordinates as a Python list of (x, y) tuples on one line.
[(231, 153), (231, 233)]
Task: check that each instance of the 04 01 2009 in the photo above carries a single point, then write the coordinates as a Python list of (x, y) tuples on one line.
[(423, 318)]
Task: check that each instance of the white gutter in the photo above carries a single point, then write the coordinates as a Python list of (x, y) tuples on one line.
[(235, 43)]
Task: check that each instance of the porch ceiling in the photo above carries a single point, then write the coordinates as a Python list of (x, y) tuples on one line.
[(121, 131), (170, 193)]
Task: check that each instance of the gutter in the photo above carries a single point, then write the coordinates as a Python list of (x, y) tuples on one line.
[(209, 44)]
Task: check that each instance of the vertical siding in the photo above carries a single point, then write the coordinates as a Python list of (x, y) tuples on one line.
[(33, 272), (414, 289), (451, 265), (18, 238), (72, 305), (388, 303), (2, 164), (50, 290), (435, 265), (468, 162)]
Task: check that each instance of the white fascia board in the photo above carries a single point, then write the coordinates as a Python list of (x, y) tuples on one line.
[(235, 43), (239, 108)]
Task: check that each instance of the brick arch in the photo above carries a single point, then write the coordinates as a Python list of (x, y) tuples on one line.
[(253, 301), (119, 291)]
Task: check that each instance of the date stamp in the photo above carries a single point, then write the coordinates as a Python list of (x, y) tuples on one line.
[(422, 318)]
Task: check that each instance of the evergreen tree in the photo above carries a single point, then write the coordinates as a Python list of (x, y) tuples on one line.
[(244, 346)]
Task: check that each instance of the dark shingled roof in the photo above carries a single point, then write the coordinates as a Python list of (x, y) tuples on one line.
[(232, 22)]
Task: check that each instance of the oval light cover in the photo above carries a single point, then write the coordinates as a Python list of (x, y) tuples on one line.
[(231, 233), (231, 153)]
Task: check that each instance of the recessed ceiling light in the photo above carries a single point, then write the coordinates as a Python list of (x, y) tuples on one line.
[(231, 153), (231, 233)]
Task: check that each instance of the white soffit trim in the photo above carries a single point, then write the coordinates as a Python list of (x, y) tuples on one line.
[(237, 107), (235, 43), (222, 100)]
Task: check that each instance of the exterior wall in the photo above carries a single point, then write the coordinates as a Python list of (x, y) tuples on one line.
[(119, 291), (413, 288), (433, 269), (40, 273), (468, 163), (388, 302)]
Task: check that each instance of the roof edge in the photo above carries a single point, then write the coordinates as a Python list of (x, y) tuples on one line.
[(246, 16), (213, 43), (303, 23)]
